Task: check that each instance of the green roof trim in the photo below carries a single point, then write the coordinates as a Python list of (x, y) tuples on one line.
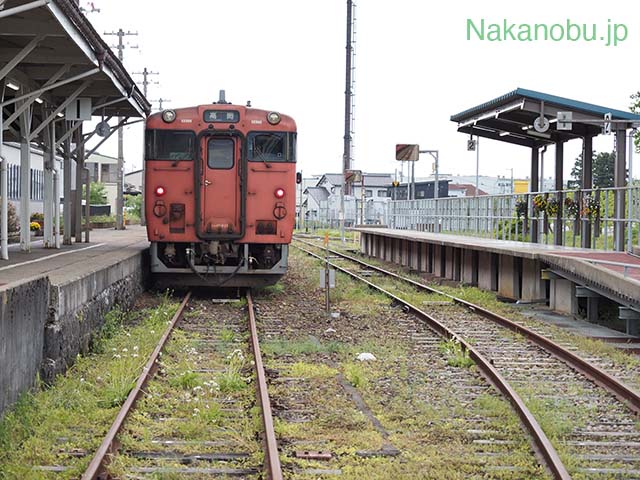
[(547, 98)]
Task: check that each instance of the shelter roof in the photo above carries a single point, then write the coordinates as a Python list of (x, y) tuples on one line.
[(510, 118), (55, 44)]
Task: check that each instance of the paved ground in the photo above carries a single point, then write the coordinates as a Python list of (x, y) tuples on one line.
[(70, 261), (581, 327)]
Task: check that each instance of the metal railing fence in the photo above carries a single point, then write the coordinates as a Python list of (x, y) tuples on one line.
[(605, 218)]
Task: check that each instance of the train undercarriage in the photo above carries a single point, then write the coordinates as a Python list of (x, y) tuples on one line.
[(217, 264)]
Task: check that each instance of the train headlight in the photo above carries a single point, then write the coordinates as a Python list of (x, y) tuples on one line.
[(279, 193), (160, 191), (273, 118), (169, 116)]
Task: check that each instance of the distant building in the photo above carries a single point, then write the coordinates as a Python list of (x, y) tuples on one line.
[(322, 199), (104, 169), (423, 190), (36, 175), (133, 181), (464, 190)]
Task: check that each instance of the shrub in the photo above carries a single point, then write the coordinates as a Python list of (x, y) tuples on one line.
[(14, 220)]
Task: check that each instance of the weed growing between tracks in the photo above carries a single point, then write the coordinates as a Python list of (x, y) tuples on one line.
[(427, 407), (200, 401), (624, 365), (64, 424)]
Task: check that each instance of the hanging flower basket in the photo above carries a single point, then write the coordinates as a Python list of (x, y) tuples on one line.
[(591, 207), (572, 208), (521, 208), (552, 207), (539, 204)]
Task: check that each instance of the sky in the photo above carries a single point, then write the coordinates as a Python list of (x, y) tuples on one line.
[(415, 67)]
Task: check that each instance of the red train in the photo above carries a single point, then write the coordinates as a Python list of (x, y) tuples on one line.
[(220, 194)]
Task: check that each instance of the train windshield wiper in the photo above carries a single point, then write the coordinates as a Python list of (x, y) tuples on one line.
[(260, 156)]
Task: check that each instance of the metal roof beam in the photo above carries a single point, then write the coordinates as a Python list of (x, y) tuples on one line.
[(93, 71), (31, 99), (29, 47), (23, 8), (13, 27), (122, 123), (59, 109), (524, 142), (493, 114), (40, 57), (68, 133)]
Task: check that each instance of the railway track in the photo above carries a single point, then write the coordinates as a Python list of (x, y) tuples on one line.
[(591, 417), (190, 413), (406, 414)]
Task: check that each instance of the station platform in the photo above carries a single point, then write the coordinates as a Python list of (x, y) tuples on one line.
[(70, 261), (52, 301), (568, 278)]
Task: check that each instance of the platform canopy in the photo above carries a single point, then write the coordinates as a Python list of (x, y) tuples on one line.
[(50, 51), (510, 118)]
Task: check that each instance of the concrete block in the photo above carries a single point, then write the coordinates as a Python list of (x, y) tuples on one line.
[(485, 274), (424, 257), (562, 296), (77, 309), (449, 263), (508, 279), (414, 261), (404, 253), (467, 266), (438, 261), (23, 313), (532, 283)]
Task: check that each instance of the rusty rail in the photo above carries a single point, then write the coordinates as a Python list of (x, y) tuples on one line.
[(541, 443), (272, 460), (623, 392), (110, 445)]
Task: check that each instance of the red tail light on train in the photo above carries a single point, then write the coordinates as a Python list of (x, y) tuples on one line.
[(279, 193), (160, 191)]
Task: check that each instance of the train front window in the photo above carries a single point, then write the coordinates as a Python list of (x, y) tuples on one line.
[(271, 147), (170, 145), (220, 153)]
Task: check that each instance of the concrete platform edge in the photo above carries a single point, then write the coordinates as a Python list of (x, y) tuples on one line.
[(43, 326)]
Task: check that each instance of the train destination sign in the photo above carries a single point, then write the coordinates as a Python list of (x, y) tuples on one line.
[(221, 116)]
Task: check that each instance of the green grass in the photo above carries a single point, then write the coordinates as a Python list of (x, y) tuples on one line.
[(77, 411), (299, 347), (456, 355)]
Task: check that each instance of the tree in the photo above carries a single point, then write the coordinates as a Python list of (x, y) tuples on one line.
[(603, 169), (97, 195), (635, 108), (13, 219), (133, 205)]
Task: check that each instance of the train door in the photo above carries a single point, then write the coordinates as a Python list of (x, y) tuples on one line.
[(220, 201)]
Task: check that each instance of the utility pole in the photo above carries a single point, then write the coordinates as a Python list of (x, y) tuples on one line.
[(348, 99), (120, 195), (160, 101), (145, 79), (145, 83)]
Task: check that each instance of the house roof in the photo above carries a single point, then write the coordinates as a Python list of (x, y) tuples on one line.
[(370, 179), (319, 194), (470, 190)]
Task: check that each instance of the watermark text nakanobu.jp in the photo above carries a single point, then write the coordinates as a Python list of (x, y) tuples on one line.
[(611, 34)]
